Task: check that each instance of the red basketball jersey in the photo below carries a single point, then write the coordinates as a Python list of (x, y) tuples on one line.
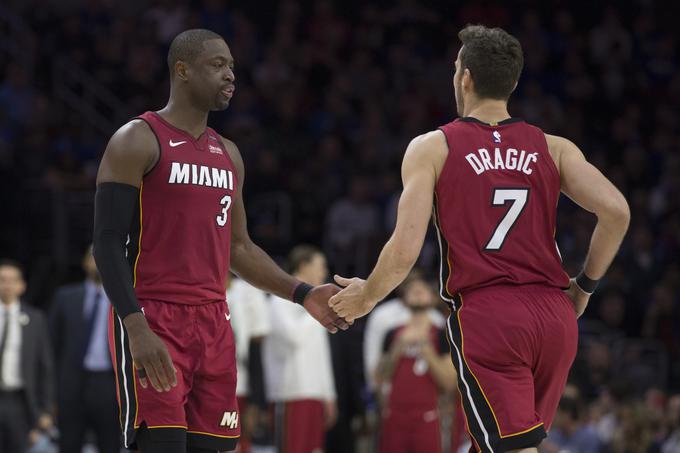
[(179, 244), (413, 389), (496, 207)]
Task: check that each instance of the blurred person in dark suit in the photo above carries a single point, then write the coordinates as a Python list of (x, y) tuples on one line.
[(26, 372), (86, 391)]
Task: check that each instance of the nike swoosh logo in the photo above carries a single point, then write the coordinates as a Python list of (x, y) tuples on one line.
[(173, 144), (228, 316)]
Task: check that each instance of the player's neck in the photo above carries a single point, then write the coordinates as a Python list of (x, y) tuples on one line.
[(185, 116), (488, 111)]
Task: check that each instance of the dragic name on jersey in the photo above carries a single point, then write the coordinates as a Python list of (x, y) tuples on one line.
[(508, 159)]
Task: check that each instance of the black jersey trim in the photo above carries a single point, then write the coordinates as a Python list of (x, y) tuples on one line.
[(160, 148), (445, 271), (470, 119)]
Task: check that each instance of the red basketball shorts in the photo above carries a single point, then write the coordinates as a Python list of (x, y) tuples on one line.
[(512, 347), (203, 405)]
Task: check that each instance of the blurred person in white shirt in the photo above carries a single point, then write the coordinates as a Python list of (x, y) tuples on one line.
[(298, 368), (386, 316), (249, 317)]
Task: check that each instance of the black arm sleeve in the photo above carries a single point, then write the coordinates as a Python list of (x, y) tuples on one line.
[(115, 205)]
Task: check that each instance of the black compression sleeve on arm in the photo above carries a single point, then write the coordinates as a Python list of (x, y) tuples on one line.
[(115, 205)]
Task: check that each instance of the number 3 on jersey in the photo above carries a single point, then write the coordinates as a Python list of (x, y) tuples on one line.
[(518, 197), (226, 204)]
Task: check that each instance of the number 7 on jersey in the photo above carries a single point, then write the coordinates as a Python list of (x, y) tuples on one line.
[(501, 197)]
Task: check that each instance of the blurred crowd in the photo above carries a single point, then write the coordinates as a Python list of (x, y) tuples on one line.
[(328, 96)]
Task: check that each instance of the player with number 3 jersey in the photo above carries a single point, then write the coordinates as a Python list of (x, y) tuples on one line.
[(492, 182), (169, 225)]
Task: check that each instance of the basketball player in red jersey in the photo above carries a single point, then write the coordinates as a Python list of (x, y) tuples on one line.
[(494, 182), (169, 223)]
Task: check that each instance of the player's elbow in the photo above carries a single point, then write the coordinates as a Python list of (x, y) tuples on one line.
[(615, 212)]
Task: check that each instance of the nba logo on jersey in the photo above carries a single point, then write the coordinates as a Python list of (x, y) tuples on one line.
[(496, 137)]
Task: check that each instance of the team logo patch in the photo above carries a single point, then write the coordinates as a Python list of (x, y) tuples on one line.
[(215, 149), (229, 420), (496, 137)]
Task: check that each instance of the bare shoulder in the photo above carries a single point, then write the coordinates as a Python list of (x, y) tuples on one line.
[(560, 145), (133, 136), (429, 149), (431, 140), (555, 141), (131, 152), (561, 148)]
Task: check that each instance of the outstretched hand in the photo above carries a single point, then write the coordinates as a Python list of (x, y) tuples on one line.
[(352, 302), (316, 304)]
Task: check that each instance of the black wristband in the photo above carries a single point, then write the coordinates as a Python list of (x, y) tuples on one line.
[(587, 284), (300, 292)]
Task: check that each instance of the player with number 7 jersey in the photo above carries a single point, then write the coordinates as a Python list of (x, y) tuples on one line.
[(502, 180), (495, 181)]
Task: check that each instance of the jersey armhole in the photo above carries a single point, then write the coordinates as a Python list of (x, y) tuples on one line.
[(227, 155), (448, 157), (552, 164), (160, 148)]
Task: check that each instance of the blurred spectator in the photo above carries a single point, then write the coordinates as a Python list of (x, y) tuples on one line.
[(635, 430), (298, 369), (387, 316), (86, 383), (570, 432), (16, 95), (249, 317), (352, 224), (672, 443), (26, 369), (414, 370)]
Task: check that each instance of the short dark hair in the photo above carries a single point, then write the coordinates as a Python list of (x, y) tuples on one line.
[(300, 255), (188, 45), (7, 262), (493, 57)]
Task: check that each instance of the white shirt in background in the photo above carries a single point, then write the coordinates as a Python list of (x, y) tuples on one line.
[(249, 318), (11, 363), (297, 355), (386, 316)]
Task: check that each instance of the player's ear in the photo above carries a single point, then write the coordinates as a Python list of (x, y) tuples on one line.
[(466, 83), (181, 70)]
